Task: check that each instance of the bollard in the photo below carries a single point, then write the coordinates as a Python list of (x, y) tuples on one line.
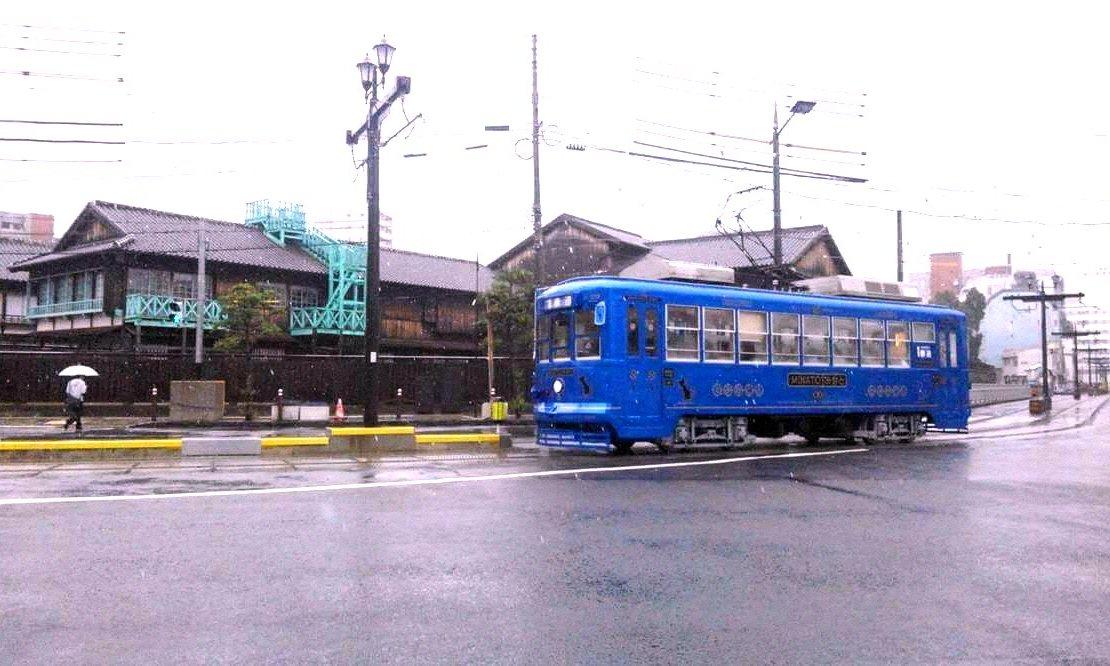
[(399, 394), (153, 404), (280, 405)]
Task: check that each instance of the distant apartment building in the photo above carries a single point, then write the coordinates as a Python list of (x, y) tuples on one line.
[(946, 273), (32, 227)]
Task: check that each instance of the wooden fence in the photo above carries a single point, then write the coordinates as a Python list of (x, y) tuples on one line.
[(428, 383)]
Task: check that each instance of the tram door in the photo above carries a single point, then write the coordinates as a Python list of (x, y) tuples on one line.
[(643, 353), (952, 390)]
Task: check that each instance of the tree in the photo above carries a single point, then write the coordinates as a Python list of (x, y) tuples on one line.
[(249, 314), (974, 307), (508, 306)]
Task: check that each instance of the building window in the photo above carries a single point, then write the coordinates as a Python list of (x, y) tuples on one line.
[(632, 331), (815, 347), (719, 335), (150, 282), (682, 333), (845, 341), (871, 342), (586, 336), (753, 337), (785, 338), (303, 297), (898, 344)]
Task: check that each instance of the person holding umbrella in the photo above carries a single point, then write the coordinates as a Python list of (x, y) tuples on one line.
[(75, 393)]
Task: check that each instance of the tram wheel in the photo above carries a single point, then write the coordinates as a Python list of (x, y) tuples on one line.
[(623, 447), (664, 445), (812, 439)]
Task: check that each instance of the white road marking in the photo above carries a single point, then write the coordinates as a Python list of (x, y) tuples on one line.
[(19, 501)]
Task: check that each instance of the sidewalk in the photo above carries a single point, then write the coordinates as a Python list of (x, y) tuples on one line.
[(1067, 412)]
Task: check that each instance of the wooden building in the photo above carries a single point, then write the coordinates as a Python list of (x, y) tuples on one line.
[(126, 277), (574, 246)]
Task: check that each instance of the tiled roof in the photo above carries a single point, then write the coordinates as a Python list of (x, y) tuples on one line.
[(425, 270), (601, 230), (158, 232), (722, 251), (12, 251), (171, 234)]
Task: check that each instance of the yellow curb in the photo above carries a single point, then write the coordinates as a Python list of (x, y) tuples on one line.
[(458, 438), (318, 440), (376, 430), (88, 444)]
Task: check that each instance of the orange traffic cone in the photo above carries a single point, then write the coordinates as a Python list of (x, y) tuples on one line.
[(340, 413)]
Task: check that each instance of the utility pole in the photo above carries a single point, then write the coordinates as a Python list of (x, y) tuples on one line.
[(1089, 350), (899, 246), (537, 241), (799, 107), (777, 233), (1043, 299), (1075, 335), (202, 294)]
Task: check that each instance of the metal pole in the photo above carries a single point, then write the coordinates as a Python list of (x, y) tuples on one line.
[(1075, 360), (1089, 382), (373, 251), (1046, 394), (899, 246), (537, 242), (202, 292), (777, 257)]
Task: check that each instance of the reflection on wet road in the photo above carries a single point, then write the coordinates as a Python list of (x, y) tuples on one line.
[(987, 549)]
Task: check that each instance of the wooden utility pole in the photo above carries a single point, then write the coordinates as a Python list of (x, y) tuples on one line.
[(537, 240), (899, 246)]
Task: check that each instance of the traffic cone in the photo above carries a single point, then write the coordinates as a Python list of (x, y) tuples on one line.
[(340, 413)]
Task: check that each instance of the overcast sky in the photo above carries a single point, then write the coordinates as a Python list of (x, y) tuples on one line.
[(971, 111)]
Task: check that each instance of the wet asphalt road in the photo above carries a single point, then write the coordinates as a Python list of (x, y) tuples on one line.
[(991, 549)]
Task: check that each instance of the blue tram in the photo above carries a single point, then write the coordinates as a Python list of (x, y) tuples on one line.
[(621, 360)]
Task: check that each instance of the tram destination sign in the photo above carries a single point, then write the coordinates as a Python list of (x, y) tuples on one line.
[(808, 379)]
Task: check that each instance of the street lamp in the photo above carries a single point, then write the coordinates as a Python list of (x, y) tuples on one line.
[(802, 107), (368, 72)]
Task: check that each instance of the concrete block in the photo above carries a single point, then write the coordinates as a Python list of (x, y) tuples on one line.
[(319, 412), (221, 446), (288, 412), (197, 402), (372, 443)]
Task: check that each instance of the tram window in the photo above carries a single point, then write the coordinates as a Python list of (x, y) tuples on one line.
[(845, 341), (943, 355), (560, 337), (651, 333), (871, 342), (953, 356), (543, 338), (897, 344), (785, 338), (633, 331), (753, 337), (586, 336), (815, 341), (923, 331), (682, 333), (719, 330)]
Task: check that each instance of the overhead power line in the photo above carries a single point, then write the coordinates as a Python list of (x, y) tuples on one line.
[(784, 170), (24, 139), (59, 122)]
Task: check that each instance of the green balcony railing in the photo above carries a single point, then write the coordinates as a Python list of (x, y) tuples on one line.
[(86, 306), (304, 321), (170, 312)]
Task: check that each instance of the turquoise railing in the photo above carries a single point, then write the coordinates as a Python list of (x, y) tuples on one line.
[(167, 311), (304, 321), (86, 306)]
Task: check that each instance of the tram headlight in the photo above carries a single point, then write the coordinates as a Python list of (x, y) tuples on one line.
[(557, 386)]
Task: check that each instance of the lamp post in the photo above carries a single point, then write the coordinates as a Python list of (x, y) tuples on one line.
[(799, 107), (368, 71)]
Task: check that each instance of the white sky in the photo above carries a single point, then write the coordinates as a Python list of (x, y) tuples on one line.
[(991, 110)]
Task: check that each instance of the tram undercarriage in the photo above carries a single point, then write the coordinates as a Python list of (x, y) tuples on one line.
[(696, 432)]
